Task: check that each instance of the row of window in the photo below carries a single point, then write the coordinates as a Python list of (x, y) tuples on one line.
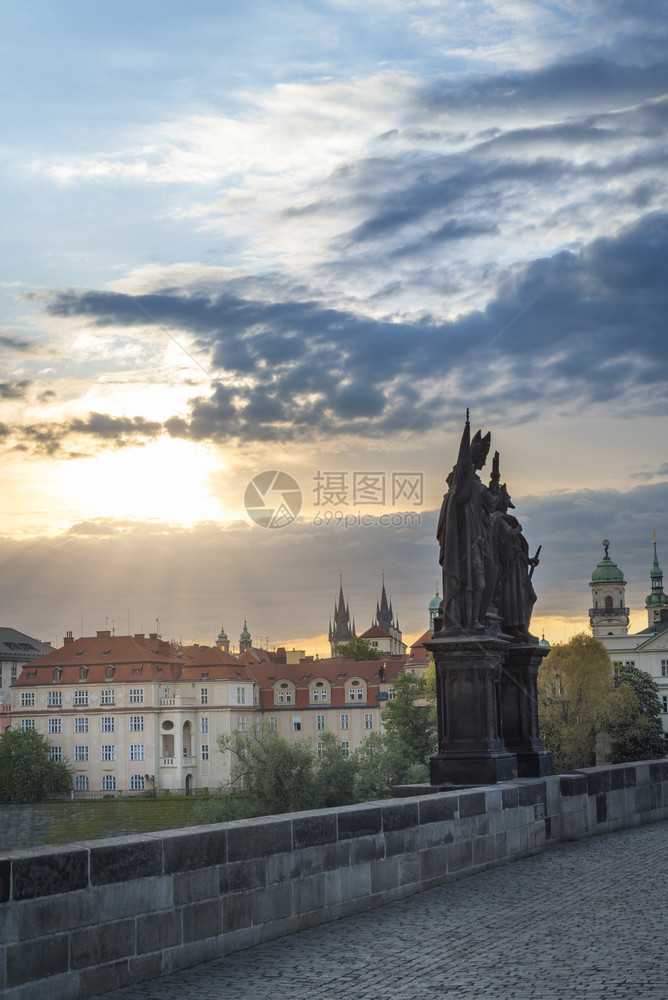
[(82, 784), (107, 724), (54, 699), (107, 752), (344, 722)]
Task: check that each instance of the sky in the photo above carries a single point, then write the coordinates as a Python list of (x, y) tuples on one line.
[(269, 254)]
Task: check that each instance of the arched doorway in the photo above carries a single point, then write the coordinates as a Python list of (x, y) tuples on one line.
[(189, 784)]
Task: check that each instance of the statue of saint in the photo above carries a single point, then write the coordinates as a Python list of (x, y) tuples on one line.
[(465, 537), (514, 596)]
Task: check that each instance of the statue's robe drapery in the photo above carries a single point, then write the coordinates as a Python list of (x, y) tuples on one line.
[(514, 597)]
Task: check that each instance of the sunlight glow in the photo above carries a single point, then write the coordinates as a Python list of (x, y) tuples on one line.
[(168, 480)]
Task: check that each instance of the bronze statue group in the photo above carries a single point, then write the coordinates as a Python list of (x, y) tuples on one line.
[(485, 557)]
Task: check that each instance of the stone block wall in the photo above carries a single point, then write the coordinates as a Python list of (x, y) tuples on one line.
[(85, 918)]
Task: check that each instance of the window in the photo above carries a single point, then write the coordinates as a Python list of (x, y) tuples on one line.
[(323, 695), (81, 725), (345, 748), (241, 696), (316, 695), (296, 723), (14, 671), (56, 753), (204, 696), (664, 670), (80, 753), (83, 673), (81, 783), (664, 702), (107, 723), (320, 748), (629, 663), (107, 752), (107, 697), (136, 723), (109, 671), (27, 699), (81, 698), (344, 721), (137, 782), (355, 692), (280, 697), (136, 696), (55, 726), (136, 751), (241, 723), (320, 722), (205, 751), (273, 723), (204, 724), (391, 694), (108, 782), (54, 699), (368, 720), (27, 723)]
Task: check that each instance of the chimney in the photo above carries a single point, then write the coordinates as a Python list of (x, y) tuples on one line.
[(68, 639), (104, 634), (139, 635)]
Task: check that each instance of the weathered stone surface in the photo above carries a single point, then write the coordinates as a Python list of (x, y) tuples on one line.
[(124, 859), (30, 963), (258, 838), (45, 874), (199, 847), (159, 930), (202, 920), (400, 815), (359, 822), (309, 831), (472, 804), (438, 808), (93, 946), (238, 875)]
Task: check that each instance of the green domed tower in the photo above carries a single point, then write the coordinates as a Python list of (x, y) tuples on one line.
[(657, 600), (434, 608), (245, 641), (608, 614)]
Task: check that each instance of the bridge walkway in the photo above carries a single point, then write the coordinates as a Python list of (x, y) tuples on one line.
[(587, 920)]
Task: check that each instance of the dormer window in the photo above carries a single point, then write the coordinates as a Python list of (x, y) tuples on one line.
[(109, 671), (57, 674), (83, 673)]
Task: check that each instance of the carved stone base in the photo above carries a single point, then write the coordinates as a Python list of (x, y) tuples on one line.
[(534, 764), (472, 768)]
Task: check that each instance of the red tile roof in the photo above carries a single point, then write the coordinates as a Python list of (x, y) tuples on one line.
[(375, 632)]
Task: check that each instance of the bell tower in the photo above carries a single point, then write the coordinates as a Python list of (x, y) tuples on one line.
[(656, 602), (608, 614)]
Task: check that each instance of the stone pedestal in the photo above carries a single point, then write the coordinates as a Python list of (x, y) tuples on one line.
[(519, 709), (471, 748)]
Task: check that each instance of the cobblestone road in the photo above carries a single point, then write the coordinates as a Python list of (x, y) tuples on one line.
[(585, 921)]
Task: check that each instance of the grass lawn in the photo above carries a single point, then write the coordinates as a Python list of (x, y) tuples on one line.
[(64, 822)]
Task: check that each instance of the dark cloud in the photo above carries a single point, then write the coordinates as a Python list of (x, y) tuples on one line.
[(577, 328), (120, 432), (15, 343), (14, 390)]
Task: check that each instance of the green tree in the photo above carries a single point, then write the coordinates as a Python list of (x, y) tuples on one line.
[(358, 649), (411, 717), (639, 734), (382, 762), (27, 772), (273, 776), (574, 691)]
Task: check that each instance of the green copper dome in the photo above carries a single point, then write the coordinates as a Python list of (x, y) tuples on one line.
[(435, 602), (245, 634), (607, 571)]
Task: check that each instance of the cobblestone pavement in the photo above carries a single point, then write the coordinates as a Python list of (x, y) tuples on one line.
[(585, 921)]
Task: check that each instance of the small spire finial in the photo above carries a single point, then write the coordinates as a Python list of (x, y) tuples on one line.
[(467, 415), (606, 546)]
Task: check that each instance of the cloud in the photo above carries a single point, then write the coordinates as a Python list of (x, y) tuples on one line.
[(578, 328), (14, 390)]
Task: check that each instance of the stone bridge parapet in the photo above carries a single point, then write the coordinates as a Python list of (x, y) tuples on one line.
[(88, 917)]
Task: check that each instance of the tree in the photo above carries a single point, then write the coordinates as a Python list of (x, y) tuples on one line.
[(382, 762), (27, 772), (276, 776), (574, 688), (640, 735), (358, 649), (412, 718)]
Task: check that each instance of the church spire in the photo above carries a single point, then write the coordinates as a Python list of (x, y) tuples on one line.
[(341, 631), (656, 601)]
